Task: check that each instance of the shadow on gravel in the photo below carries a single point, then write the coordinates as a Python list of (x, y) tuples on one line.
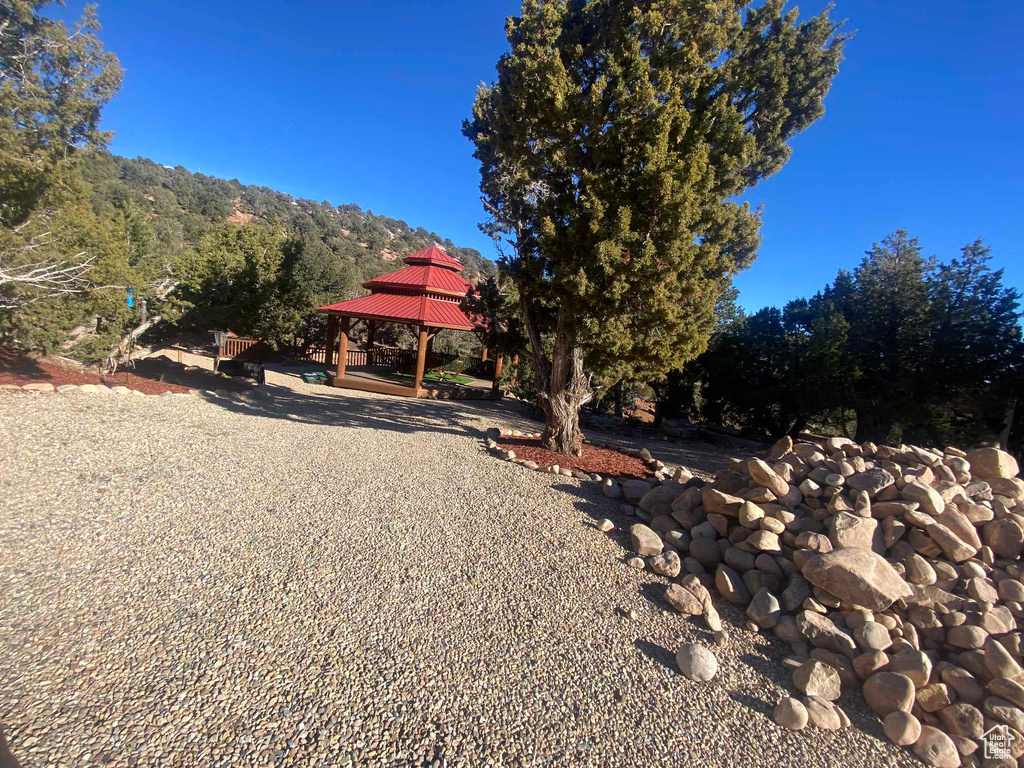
[(760, 705), (405, 415), (656, 653)]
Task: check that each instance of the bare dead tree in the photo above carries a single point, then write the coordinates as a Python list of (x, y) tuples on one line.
[(26, 278)]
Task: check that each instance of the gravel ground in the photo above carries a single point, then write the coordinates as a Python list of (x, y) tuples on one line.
[(340, 578)]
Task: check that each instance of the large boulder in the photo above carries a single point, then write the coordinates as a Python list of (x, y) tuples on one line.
[(716, 502), (849, 530), (887, 692), (822, 632), (766, 477), (873, 481), (790, 713), (952, 546), (936, 749), (857, 576), (816, 678), (1004, 536), (929, 499), (634, 490), (992, 463), (696, 662), (645, 541), (683, 600), (731, 586), (658, 501)]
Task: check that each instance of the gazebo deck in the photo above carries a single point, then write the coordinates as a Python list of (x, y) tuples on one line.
[(375, 379)]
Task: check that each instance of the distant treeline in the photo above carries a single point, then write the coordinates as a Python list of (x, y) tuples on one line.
[(902, 348)]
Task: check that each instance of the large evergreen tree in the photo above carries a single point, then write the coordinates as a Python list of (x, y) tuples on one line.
[(54, 81), (889, 311), (612, 147)]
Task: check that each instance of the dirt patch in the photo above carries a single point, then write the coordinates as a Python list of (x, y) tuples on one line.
[(603, 461), (24, 369)]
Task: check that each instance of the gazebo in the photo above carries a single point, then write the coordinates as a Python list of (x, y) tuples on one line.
[(426, 293)]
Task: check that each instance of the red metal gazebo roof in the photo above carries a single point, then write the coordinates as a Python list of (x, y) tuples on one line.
[(422, 276), (426, 292)]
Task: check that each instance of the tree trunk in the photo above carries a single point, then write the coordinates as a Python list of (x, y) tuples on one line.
[(562, 386), (873, 427), (618, 400), (1004, 433), (115, 352)]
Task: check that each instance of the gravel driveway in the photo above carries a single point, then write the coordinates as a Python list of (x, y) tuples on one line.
[(342, 578)]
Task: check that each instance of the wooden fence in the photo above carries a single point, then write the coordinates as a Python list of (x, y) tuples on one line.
[(239, 348)]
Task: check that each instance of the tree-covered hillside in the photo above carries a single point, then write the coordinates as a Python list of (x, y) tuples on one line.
[(182, 206), (204, 253)]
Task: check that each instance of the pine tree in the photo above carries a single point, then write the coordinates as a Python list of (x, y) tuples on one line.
[(612, 146), (975, 349), (889, 310)]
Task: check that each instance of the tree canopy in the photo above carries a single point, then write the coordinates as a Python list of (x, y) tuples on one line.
[(612, 146), (903, 347)]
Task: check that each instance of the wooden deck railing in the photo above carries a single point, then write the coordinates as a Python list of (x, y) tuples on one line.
[(237, 347), (240, 348)]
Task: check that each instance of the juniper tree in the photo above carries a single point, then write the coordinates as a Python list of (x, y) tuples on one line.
[(613, 145), (54, 82)]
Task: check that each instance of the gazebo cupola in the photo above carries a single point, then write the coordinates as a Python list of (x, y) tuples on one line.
[(427, 292)]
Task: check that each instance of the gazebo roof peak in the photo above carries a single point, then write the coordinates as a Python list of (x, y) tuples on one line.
[(434, 255)]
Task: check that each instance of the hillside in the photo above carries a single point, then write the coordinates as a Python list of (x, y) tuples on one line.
[(183, 206), (204, 253)]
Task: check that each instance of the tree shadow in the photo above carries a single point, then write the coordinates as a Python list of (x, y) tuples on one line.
[(337, 408), (17, 364)]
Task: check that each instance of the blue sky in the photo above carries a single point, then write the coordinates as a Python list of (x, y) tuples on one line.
[(362, 102)]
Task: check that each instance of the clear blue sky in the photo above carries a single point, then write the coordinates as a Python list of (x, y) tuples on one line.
[(362, 102)]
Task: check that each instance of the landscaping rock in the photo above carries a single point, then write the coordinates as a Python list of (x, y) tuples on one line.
[(611, 489), (764, 609), (822, 714), (683, 600), (992, 463), (667, 564), (697, 662), (790, 713), (815, 678), (634, 490), (731, 586), (886, 692), (857, 576), (645, 541), (902, 728), (872, 636), (873, 481), (823, 633), (936, 749)]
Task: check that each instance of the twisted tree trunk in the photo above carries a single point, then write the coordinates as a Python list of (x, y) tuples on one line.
[(562, 386), (116, 352)]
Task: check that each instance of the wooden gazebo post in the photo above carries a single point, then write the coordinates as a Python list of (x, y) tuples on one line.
[(371, 330), (342, 347), (332, 329), (421, 357)]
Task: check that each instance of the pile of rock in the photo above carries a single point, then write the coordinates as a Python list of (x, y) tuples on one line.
[(893, 570)]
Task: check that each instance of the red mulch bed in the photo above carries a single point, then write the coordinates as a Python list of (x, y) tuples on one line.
[(23, 369), (603, 461)]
